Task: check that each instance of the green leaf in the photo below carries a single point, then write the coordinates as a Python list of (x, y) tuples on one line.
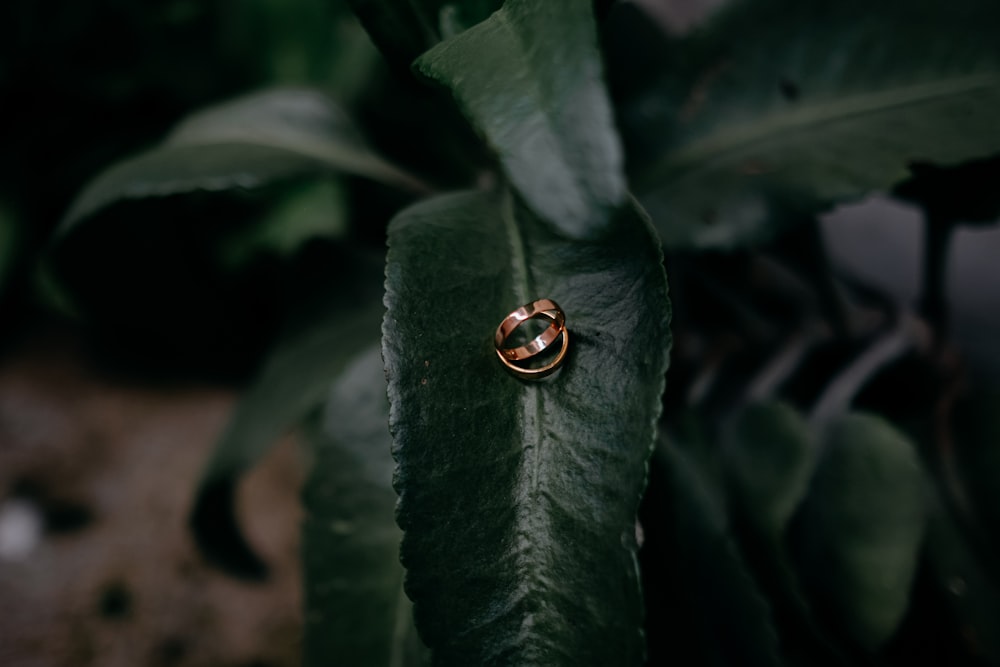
[(761, 477), (356, 611), (312, 210), (862, 525), (404, 29), (244, 143), (529, 78), (302, 42), (518, 500), (722, 618), (786, 105), (768, 457), (293, 380)]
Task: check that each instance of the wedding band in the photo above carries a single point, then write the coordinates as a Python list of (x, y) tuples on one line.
[(543, 371), (543, 309)]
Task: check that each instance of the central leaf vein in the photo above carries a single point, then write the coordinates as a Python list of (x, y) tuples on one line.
[(529, 517), (715, 147)]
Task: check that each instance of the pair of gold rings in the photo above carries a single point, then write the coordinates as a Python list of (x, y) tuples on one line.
[(513, 358)]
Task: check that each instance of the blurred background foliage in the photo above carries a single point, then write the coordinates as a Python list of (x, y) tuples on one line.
[(824, 490), (201, 279)]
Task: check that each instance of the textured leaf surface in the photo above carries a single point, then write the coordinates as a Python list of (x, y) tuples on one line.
[(518, 500), (529, 78), (404, 29), (722, 618), (780, 104), (244, 143), (293, 380), (862, 525), (768, 456), (356, 611)]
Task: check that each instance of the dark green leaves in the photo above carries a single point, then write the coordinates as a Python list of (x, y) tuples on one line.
[(720, 617), (769, 459), (403, 29), (767, 455), (518, 499), (830, 526), (529, 78), (315, 209), (356, 612), (862, 526), (782, 105), (294, 380), (244, 143)]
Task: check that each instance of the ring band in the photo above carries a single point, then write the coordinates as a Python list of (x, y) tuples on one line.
[(544, 309), (543, 371)]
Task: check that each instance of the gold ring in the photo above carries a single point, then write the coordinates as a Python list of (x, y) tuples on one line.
[(545, 308), (541, 308)]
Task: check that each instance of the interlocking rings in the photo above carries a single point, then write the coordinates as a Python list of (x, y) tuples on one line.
[(511, 358)]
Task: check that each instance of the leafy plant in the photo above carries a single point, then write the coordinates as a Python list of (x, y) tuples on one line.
[(786, 515)]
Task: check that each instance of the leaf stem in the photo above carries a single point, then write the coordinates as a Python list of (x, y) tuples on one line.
[(909, 332), (938, 231)]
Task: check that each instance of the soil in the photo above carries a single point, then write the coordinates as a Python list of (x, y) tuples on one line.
[(109, 466)]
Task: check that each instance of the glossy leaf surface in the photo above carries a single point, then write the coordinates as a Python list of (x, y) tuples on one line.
[(517, 499), (244, 143), (862, 525), (530, 80), (780, 105), (356, 611)]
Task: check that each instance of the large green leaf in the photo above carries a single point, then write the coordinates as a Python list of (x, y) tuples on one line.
[(720, 617), (244, 143), (529, 78), (781, 104), (768, 457), (356, 611), (294, 379), (862, 525), (518, 500), (404, 29)]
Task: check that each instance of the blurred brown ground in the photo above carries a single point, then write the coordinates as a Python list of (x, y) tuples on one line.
[(116, 579)]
